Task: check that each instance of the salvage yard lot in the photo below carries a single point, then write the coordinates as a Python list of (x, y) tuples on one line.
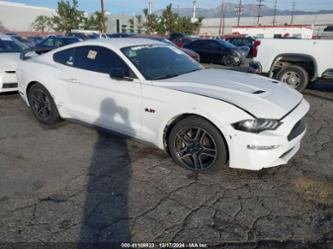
[(73, 183)]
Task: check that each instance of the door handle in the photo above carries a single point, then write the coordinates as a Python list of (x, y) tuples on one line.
[(73, 80)]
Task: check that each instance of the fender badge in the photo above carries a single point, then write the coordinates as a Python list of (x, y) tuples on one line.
[(149, 110)]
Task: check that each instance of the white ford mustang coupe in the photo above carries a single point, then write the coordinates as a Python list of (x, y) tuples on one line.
[(205, 118)]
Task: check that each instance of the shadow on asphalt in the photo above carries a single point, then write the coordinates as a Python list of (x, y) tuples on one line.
[(322, 86), (105, 218)]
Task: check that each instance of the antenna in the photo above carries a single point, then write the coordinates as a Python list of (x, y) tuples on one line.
[(260, 5), (239, 10), (292, 13), (275, 11)]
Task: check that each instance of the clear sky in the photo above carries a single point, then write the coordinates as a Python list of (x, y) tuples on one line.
[(136, 6)]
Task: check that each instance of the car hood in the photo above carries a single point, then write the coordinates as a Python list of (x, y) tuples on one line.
[(260, 96), (9, 61)]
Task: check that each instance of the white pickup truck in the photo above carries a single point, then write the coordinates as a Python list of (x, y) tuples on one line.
[(295, 62)]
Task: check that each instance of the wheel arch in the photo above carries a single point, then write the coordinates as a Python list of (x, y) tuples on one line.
[(297, 59), (28, 87), (173, 121)]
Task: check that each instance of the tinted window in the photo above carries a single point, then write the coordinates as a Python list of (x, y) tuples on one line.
[(58, 43), (197, 44), (11, 46), (48, 42), (65, 57), (226, 44), (70, 40), (99, 59), (213, 45)]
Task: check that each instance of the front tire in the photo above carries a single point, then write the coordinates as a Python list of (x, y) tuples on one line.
[(197, 145), (42, 105), (295, 76), (228, 61)]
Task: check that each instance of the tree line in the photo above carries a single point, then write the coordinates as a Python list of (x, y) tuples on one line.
[(69, 17)]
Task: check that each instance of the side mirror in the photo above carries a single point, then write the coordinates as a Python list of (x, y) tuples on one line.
[(117, 73)]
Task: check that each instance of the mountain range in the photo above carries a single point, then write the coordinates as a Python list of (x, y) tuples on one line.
[(248, 10)]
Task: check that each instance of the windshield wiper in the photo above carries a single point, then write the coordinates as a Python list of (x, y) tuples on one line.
[(168, 76)]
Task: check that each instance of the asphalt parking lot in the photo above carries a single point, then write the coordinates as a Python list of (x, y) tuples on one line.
[(75, 184)]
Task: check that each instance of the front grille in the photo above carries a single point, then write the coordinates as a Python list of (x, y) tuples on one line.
[(298, 129), (9, 85)]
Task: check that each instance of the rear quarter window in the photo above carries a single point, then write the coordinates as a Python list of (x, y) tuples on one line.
[(65, 57)]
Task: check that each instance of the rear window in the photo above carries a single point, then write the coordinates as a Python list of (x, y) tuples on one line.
[(226, 44), (65, 57)]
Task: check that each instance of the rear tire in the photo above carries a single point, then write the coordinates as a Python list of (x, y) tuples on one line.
[(295, 76), (197, 145), (42, 105)]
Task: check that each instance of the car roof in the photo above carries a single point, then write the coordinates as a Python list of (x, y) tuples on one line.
[(5, 37), (117, 43), (61, 37)]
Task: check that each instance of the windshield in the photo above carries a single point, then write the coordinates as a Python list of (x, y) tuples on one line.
[(11, 46), (70, 40), (227, 44), (157, 62)]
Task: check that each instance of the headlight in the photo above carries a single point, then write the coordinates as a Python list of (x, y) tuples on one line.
[(257, 125)]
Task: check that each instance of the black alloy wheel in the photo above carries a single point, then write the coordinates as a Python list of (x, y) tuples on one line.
[(197, 145), (229, 61), (42, 105)]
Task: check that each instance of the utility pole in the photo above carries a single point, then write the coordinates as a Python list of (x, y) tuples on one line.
[(292, 13), (275, 11), (221, 29), (150, 8), (103, 18), (239, 10), (194, 11), (260, 5)]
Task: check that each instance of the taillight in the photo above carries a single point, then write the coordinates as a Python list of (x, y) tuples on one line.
[(255, 48)]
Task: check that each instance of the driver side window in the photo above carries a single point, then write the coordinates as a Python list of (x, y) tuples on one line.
[(100, 60)]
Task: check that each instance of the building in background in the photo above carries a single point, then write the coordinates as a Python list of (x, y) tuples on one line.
[(262, 32), (17, 17), (210, 26)]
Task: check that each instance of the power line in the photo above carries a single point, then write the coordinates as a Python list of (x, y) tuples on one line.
[(239, 10), (292, 13), (259, 5), (275, 11)]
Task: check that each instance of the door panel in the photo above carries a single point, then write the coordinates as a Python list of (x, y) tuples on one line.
[(92, 95), (113, 104)]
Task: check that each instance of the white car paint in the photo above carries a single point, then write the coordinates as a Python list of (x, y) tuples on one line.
[(220, 96), (8, 64), (321, 51)]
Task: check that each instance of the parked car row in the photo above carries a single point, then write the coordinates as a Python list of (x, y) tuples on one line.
[(275, 60)]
